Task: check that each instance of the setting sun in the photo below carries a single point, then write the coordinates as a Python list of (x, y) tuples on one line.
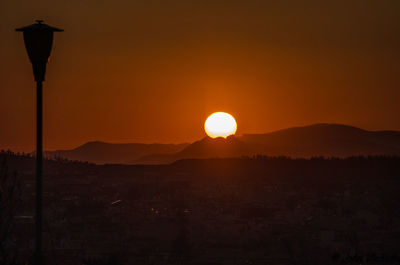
[(220, 124)]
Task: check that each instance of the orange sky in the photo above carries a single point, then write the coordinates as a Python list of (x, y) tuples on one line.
[(152, 71)]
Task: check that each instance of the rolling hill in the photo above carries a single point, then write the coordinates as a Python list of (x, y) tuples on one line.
[(314, 140), (329, 140), (110, 153), (326, 140)]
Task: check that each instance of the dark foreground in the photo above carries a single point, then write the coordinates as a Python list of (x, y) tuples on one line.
[(217, 211)]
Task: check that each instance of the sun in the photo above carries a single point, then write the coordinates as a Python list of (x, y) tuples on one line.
[(220, 124)]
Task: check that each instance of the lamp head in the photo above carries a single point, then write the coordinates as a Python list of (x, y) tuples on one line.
[(38, 40)]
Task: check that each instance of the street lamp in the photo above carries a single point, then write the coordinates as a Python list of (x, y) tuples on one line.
[(38, 40)]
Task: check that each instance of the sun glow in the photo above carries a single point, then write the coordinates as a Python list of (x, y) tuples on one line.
[(220, 124)]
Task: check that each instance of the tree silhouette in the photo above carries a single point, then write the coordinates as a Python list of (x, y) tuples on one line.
[(9, 197)]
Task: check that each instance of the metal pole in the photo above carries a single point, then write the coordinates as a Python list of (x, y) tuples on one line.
[(39, 170)]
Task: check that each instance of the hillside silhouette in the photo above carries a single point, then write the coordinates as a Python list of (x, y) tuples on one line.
[(110, 153), (326, 140), (329, 140), (204, 148)]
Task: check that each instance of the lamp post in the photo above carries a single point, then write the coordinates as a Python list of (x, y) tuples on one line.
[(38, 40)]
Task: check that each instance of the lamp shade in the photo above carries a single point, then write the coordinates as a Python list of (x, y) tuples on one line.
[(38, 40)]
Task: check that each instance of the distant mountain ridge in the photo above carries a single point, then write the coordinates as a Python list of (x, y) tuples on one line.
[(327, 140), (111, 153), (204, 148), (315, 140)]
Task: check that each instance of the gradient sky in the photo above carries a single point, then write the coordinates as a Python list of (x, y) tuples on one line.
[(152, 71)]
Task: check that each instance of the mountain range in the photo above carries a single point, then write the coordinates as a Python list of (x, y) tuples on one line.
[(329, 140), (111, 153)]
